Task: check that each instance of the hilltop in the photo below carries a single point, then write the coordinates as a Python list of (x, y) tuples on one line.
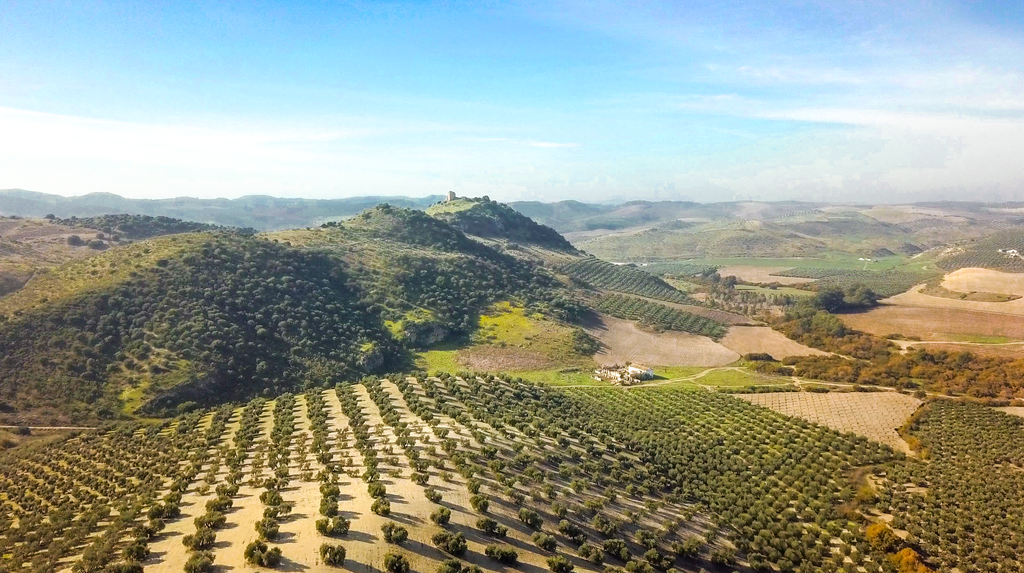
[(492, 220)]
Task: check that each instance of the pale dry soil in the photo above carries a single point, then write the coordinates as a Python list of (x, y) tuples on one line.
[(1014, 410), (756, 274), (622, 341), (748, 339), (874, 415), (934, 322), (984, 280), (969, 280), (168, 555)]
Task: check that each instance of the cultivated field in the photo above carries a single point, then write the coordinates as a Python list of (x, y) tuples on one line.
[(874, 415), (915, 298), (984, 280), (622, 342), (448, 474), (748, 339), (760, 274), (394, 468), (931, 323)]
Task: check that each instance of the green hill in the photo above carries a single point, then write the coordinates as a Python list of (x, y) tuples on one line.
[(492, 220), (428, 278), (256, 211), (208, 317), (135, 227)]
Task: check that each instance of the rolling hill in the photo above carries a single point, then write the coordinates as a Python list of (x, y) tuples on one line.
[(492, 220), (256, 211), (215, 315)]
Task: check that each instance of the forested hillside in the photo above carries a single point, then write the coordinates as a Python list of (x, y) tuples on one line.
[(135, 227), (190, 317), (427, 278), (232, 316)]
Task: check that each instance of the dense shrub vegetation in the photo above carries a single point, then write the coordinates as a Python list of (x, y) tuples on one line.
[(878, 362), (820, 329), (234, 317), (136, 227), (228, 315), (622, 278), (409, 262), (658, 316)]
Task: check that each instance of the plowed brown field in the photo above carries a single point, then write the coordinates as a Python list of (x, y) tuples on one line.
[(874, 415), (747, 339)]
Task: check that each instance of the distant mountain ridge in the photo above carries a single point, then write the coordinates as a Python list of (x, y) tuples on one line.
[(256, 211)]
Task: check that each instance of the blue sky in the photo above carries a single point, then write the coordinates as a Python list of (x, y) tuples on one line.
[(599, 101)]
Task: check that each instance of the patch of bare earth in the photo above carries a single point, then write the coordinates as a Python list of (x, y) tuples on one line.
[(496, 359), (622, 341), (984, 280), (874, 415), (760, 274), (755, 339), (30, 245), (1013, 410)]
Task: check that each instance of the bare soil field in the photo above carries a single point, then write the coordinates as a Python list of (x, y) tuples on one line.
[(935, 323), (747, 339), (908, 213), (914, 297), (760, 274), (984, 280), (874, 415), (622, 341)]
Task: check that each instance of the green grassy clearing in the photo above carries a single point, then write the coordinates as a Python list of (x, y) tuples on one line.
[(726, 378), (673, 372), (435, 361)]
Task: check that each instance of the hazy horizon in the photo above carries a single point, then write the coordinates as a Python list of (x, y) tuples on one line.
[(834, 102)]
